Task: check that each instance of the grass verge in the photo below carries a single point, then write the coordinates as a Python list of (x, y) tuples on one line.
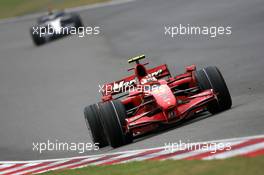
[(232, 166), (11, 8)]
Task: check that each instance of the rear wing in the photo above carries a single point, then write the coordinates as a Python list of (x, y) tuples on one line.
[(124, 84)]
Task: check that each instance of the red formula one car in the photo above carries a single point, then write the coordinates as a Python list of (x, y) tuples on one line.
[(152, 98)]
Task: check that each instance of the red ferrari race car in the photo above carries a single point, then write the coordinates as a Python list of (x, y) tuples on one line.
[(152, 98)]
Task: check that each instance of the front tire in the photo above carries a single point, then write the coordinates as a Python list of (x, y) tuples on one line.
[(113, 116), (77, 20), (211, 78), (93, 123)]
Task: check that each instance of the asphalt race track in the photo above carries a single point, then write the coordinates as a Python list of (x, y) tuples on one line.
[(43, 90)]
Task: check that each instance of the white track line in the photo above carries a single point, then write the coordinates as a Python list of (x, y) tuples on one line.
[(37, 168), (6, 165), (98, 5), (74, 9), (77, 163), (116, 158), (236, 152), (63, 166), (19, 168), (199, 151)]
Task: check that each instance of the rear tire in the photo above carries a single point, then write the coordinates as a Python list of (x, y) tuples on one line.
[(77, 20), (113, 116), (93, 123), (211, 78)]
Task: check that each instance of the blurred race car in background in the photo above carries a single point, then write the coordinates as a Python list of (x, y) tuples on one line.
[(54, 25), (152, 98)]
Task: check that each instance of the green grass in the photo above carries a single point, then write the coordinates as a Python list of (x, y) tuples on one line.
[(232, 166), (11, 8)]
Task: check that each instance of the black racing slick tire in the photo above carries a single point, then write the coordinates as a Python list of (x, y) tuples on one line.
[(113, 115), (77, 20), (37, 40), (211, 78), (93, 123)]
